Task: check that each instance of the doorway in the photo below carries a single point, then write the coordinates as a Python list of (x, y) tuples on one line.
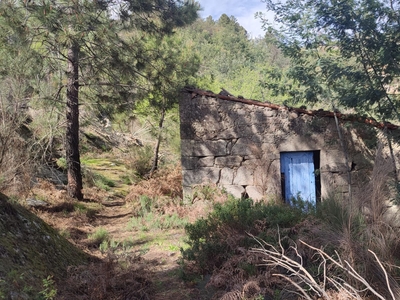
[(300, 176)]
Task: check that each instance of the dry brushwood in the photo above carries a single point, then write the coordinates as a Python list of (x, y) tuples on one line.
[(345, 266), (297, 275)]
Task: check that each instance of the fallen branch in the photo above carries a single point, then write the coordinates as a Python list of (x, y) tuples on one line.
[(298, 274)]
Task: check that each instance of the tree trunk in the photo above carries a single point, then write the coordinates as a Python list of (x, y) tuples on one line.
[(157, 148), (72, 136)]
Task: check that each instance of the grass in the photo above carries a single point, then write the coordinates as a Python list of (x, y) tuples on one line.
[(115, 246), (88, 209), (152, 220), (108, 174), (150, 215), (143, 250), (127, 244), (135, 223), (100, 236), (103, 182)]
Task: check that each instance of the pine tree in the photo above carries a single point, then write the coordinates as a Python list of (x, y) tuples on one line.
[(345, 51), (85, 39)]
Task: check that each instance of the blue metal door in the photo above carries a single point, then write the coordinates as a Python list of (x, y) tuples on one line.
[(298, 176)]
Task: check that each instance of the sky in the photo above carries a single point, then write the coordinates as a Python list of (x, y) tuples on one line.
[(242, 10)]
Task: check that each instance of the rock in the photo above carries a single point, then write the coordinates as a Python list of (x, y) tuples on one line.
[(235, 190), (36, 203), (254, 193), (18, 296)]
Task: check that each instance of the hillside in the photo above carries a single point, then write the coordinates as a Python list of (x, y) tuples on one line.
[(31, 251)]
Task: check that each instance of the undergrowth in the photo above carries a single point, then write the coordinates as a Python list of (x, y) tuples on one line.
[(108, 280), (151, 213), (93, 178), (99, 236), (213, 239), (221, 246)]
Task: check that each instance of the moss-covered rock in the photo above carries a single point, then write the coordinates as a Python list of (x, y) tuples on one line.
[(30, 251)]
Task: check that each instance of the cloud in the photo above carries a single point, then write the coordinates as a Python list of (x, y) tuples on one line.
[(252, 25), (243, 11)]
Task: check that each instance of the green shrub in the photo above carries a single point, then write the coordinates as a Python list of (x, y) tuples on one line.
[(107, 245), (99, 236), (141, 160), (152, 220), (212, 240), (146, 205), (174, 221), (103, 182), (339, 217), (62, 163), (137, 223), (49, 291)]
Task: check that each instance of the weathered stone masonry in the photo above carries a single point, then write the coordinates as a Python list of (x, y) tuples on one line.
[(236, 144)]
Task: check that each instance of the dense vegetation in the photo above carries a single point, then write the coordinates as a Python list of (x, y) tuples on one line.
[(110, 64), (98, 52), (92, 86), (271, 250), (344, 53), (230, 60)]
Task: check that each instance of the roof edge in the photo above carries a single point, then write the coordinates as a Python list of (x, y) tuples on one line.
[(319, 113)]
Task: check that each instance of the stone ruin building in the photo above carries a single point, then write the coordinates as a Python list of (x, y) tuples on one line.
[(262, 150)]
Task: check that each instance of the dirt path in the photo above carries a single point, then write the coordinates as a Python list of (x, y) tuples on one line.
[(156, 250), (160, 249)]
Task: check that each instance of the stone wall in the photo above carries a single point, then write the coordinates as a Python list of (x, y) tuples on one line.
[(237, 146)]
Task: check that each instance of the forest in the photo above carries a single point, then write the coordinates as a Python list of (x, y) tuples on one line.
[(90, 151)]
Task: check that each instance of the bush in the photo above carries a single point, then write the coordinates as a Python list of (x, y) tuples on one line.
[(62, 163), (141, 160), (99, 236), (213, 239), (152, 220)]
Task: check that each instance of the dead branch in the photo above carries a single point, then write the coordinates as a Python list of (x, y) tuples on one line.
[(280, 259), (347, 268), (298, 274), (385, 273)]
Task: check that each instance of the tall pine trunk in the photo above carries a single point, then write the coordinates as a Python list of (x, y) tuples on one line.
[(157, 148), (72, 135)]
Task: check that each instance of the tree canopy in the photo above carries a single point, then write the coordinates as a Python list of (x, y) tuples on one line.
[(345, 51), (229, 59), (89, 50)]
